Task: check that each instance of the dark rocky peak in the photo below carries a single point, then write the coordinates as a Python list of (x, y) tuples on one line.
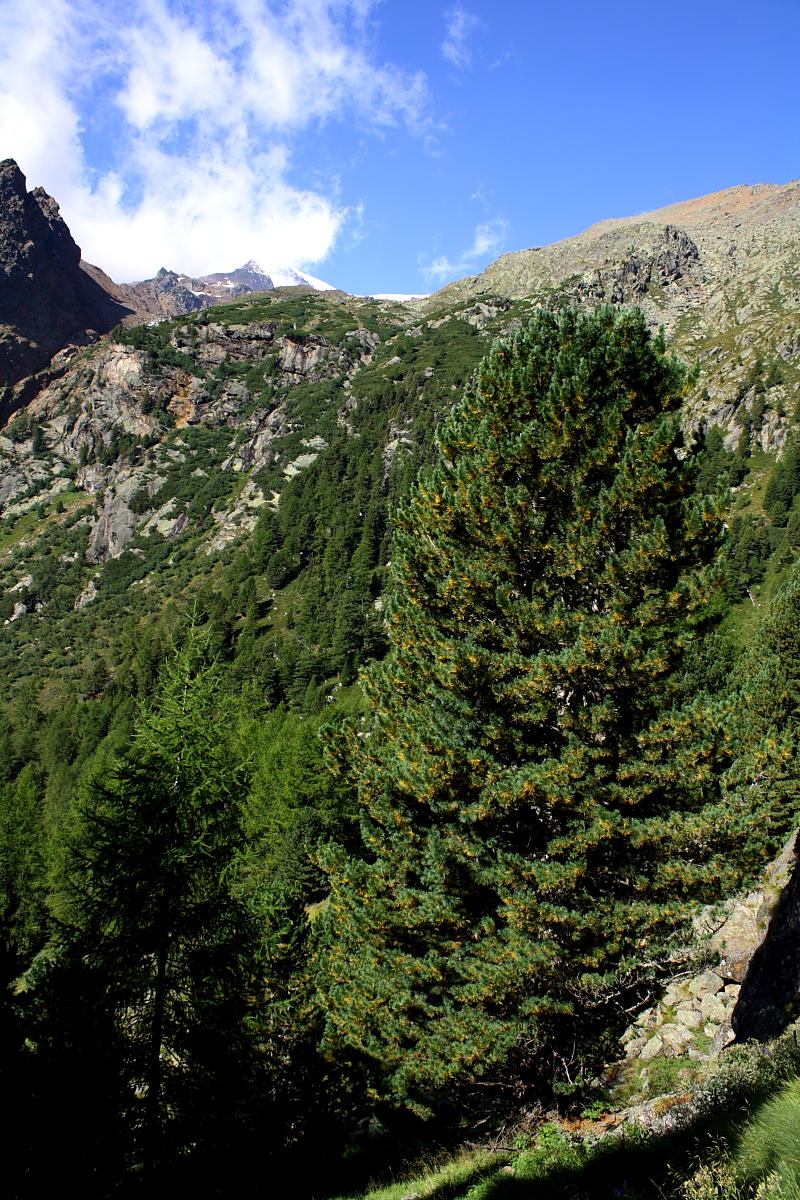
[(169, 280), (46, 301), (170, 294), (678, 253), (33, 234)]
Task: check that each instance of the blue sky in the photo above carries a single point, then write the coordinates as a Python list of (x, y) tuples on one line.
[(385, 146)]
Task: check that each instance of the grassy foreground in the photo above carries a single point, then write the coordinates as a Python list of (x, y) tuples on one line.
[(736, 1137)]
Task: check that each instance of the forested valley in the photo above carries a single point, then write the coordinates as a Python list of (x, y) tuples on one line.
[(387, 690)]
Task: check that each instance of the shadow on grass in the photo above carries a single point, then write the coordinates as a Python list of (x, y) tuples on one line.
[(631, 1165)]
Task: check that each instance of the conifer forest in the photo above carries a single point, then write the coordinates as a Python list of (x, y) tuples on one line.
[(384, 702)]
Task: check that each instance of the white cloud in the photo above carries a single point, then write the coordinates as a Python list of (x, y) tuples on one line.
[(487, 240), (459, 24), (204, 106), (34, 112)]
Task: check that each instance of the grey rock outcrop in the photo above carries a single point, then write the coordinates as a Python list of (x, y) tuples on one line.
[(116, 524), (303, 357), (751, 990)]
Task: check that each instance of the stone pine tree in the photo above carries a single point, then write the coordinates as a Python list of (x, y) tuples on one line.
[(535, 818)]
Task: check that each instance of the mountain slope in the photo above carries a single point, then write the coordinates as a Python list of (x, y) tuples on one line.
[(276, 429), (720, 273), (694, 248), (238, 465), (272, 433)]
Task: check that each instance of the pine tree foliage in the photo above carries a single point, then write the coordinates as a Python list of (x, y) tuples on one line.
[(536, 818)]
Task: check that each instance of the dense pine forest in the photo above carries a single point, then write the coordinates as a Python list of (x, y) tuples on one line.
[(377, 833)]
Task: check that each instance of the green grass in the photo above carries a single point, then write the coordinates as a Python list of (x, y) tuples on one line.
[(750, 495), (27, 523), (23, 526), (770, 1147), (446, 1182), (742, 1144)]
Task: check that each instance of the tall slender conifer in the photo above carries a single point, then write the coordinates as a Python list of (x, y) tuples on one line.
[(147, 911)]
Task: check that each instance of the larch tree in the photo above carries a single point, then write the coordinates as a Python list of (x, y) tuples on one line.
[(538, 818), (149, 922)]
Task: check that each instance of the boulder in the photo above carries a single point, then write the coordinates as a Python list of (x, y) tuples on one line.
[(652, 1049), (675, 1038), (690, 1018)]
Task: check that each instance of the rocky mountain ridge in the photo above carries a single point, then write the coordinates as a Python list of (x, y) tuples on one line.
[(720, 274), (720, 231)]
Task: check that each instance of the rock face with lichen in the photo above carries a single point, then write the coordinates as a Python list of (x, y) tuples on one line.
[(46, 300)]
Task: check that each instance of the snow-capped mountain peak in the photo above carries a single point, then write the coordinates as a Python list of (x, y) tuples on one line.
[(253, 277), (291, 277)]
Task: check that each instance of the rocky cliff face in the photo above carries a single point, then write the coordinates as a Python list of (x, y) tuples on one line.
[(46, 301), (103, 424), (770, 994)]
